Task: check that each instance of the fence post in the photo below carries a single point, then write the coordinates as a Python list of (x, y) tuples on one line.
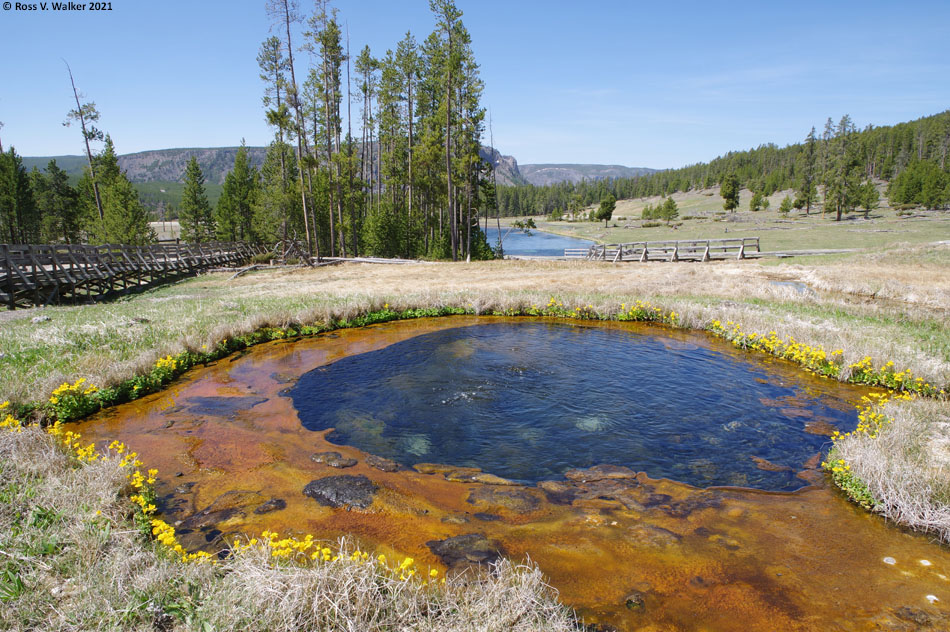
[(11, 286)]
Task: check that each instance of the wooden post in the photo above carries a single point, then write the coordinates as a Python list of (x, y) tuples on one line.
[(11, 286), (706, 253), (741, 250)]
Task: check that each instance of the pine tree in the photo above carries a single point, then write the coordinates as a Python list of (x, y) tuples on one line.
[(58, 206), (194, 212), (19, 219), (284, 13), (606, 209), (273, 67), (670, 210), (870, 198), (327, 39), (125, 219), (755, 203), (234, 215), (842, 176), (448, 16), (808, 191), (276, 208), (786, 206), (730, 192)]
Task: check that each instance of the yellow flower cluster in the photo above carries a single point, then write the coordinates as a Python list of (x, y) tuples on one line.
[(72, 443), (71, 401), (9, 421), (838, 466), (645, 311), (871, 419), (165, 534), (292, 548), (306, 550), (168, 363), (76, 388), (814, 359), (863, 372)]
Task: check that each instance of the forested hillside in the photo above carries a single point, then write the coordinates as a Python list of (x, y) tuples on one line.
[(913, 156), (159, 175), (543, 174)]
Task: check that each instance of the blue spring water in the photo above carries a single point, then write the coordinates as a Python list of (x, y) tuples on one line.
[(528, 401), (534, 243)]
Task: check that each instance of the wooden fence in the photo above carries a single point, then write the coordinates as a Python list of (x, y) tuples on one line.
[(42, 274), (680, 250)]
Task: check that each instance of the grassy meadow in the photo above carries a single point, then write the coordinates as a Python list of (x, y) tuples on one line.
[(74, 559), (701, 216)]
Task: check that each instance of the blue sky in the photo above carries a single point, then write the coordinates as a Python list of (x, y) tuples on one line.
[(659, 84)]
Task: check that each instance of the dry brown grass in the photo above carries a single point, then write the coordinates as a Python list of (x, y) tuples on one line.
[(256, 596), (907, 466), (71, 558), (895, 310), (98, 574)]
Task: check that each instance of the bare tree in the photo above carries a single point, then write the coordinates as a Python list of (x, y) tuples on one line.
[(86, 112)]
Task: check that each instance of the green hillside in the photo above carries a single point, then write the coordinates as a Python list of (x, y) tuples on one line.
[(873, 153)]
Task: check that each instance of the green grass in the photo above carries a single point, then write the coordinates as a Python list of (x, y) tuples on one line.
[(884, 229), (65, 544)]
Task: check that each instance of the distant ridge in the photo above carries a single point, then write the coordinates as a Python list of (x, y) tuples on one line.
[(158, 174), (168, 165), (542, 174)]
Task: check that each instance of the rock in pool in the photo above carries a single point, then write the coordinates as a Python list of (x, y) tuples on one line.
[(333, 459), (337, 491), (471, 548)]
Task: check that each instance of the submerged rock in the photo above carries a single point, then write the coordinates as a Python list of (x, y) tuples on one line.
[(462, 474), (333, 459), (634, 601), (274, 504), (490, 479), (337, 491), (520, 501), (696, 502), (228, 406), (600, 473), (208, 518), (813, 462), (656, 537), (767, 466), (440, 468), (381, 464), (471, 548), (558, 493), (914, 615), (820, 427)]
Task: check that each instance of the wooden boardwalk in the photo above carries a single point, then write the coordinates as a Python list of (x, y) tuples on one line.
[(679, 250), (33, 275)]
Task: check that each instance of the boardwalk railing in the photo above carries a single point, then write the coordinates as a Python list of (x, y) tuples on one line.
[(680, 250), (45, 274)]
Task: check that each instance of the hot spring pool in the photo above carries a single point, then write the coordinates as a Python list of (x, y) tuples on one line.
[(530, 401)]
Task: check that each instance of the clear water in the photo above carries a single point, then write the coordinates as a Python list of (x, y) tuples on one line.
[(528, 401), (534, 243)]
